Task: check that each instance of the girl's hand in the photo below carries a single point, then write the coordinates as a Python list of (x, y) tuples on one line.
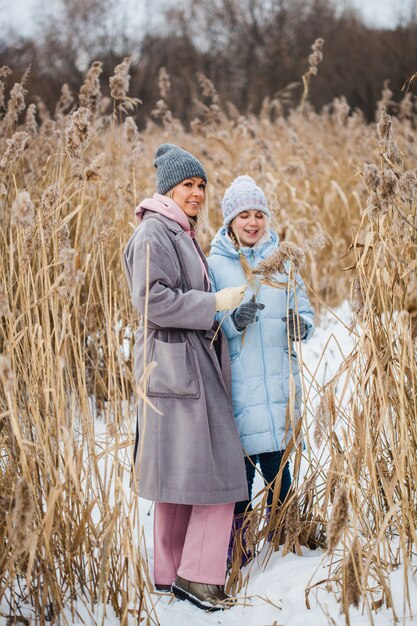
[(246, 313), (297, 327)]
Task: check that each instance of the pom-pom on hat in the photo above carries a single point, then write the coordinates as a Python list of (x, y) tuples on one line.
[(173, 165), (243, 195)]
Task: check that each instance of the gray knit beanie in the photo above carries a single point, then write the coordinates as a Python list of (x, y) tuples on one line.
[(243, 195), (173, 165)]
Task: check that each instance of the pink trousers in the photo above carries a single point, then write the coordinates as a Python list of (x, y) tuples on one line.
[(191, 541)]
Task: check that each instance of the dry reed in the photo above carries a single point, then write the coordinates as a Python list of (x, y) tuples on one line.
[(66, 341)]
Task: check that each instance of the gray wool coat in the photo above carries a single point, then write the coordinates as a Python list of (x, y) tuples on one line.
[(189, 449)]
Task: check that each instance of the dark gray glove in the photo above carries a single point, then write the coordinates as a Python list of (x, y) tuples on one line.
[(297, 327), (246, 313)]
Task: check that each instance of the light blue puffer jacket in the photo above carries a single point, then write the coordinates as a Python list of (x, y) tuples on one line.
[(261, 362)]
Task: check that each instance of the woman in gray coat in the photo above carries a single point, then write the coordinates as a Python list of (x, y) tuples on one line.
[(188, 458)]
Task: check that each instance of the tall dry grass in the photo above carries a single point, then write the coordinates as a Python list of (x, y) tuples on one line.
[(69, 182)]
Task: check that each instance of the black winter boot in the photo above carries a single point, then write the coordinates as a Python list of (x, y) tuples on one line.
[(207, 597)]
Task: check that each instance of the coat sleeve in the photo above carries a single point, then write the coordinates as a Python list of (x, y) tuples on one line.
[(223, 317), (301, 304), (167, 305)]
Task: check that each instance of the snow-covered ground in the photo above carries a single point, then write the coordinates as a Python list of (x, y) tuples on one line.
[(275, 594), (275, 590)]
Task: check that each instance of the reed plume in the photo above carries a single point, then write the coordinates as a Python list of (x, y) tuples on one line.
[(277, 262), (338, 520), (21, 517), (14, 151)]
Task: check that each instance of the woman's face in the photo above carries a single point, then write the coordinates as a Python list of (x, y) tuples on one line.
[(189, 195), (249, 226)]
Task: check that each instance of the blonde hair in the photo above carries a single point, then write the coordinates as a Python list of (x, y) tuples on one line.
[(237, 245)]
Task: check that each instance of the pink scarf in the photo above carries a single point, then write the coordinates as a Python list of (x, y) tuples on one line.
[(167, 207)]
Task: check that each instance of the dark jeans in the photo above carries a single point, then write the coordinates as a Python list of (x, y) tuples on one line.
[(269, 463)]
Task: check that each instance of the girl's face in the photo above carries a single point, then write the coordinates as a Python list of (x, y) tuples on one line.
[(189, 195), (249, 226)]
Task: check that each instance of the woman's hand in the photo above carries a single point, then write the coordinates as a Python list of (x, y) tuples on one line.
[(229, 298)]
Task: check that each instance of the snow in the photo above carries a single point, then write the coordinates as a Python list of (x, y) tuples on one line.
[(274, 589), (275, 594)]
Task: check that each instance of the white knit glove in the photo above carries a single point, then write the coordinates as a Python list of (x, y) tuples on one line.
[(229, 298)]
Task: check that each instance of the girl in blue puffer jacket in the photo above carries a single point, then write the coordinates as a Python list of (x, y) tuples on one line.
[(261, 354)]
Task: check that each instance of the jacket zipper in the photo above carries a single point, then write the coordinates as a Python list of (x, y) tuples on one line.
[(271, 419)]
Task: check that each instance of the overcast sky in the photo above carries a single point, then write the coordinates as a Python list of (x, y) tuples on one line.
[(21, 14)]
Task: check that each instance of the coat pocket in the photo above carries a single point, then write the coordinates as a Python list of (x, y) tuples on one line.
[(175, 373)]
